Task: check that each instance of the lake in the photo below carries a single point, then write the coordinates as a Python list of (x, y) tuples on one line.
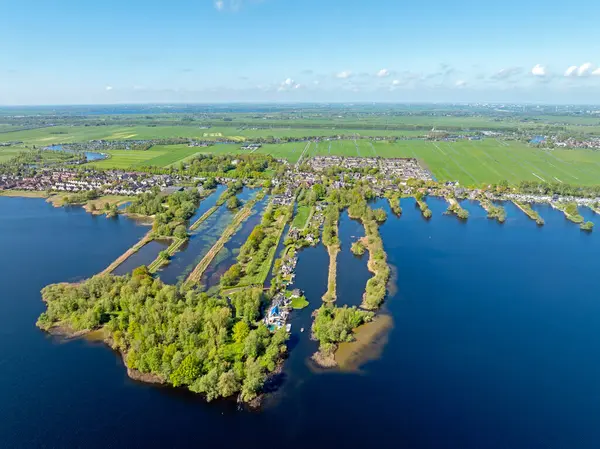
[(495, 343)]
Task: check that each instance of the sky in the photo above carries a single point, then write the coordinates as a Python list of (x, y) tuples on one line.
[(207, 51)]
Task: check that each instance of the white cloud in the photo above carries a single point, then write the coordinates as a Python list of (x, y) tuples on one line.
[(228, 5), (461, 83), (344, 75), (396, 82), (596, 72), (571, 71), (584, 69), (507, 74), (538, 70), (108, 88), (383, 73), (288, 84)]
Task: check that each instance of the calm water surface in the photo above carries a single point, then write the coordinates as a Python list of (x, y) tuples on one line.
[(202, 239), (228, 254), (495, 344), (352, 271), (144, 256)]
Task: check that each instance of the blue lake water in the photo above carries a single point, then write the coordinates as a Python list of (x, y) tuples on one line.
[(144, 256), (495, 344), (90, 156)]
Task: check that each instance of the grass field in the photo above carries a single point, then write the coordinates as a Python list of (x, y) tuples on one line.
[(71, 134), (470, 162), (301, 217), (157, 156), (7, 153)]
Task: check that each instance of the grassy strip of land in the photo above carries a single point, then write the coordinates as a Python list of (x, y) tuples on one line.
[(424, 208), (24, 193), (572, 213), (570, 210), (331, 293), (332, 241), (105, 204), (299, 302), (334, 325), (456, 209), (528, 210), (303, 214), (256, 255), (240, 217), (494, 212), (203, 218), (135, 248), (394, 200), (163, 257), (376, 286)]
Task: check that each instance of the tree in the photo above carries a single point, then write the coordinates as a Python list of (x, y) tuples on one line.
[(228, 384), (180, 232), (240, 331), (187, 372), (207, 384), (233, 203), (319, 191), (231, 276), (255, 378)]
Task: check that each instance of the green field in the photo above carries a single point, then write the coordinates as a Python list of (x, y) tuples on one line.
[(71, 134), (301, 217), (7, 153), (157, 156), (470, 162)]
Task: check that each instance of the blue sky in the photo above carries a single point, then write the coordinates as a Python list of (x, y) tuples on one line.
[(80, 52)]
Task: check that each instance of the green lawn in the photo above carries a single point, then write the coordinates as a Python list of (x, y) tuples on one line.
[(301, 216)]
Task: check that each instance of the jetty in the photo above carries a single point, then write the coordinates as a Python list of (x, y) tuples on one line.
[(456, 209), (527, 209), (424, 209), (123, 257), (494, 212), (203, 218), (159, 262)]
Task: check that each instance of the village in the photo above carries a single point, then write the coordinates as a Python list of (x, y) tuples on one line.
[(111, 182), (402, 168)]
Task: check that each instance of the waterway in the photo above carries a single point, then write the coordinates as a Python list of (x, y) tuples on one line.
[(495, 343), (144, 256), (351, 269), (207, 203), (200, 241), (228, 254)]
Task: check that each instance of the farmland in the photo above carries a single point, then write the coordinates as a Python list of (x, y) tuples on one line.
[(71, 134), (472, 162)]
